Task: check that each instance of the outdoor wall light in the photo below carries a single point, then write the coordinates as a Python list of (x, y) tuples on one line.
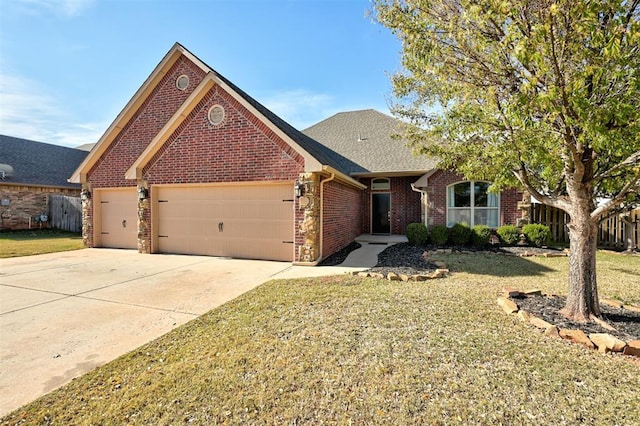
[(298, 189), (143, 193), (85, 195)]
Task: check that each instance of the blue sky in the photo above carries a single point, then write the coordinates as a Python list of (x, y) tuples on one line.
[(67, 67)]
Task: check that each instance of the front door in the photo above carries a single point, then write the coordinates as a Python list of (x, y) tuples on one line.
[(380, 213)]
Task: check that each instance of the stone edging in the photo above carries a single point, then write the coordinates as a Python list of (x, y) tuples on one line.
[(392, 276), (603, 342)]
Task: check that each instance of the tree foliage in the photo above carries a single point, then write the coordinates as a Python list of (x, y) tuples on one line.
[(527, 92), (544, 94)]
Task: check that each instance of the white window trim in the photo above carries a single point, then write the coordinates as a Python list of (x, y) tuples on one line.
[(471, 208)]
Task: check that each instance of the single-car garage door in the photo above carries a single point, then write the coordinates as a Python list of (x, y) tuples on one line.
[(116, 217), (244, 221)]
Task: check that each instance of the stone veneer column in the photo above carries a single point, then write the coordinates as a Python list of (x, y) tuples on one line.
[(144, 216), (310, 226), (525, 208), (87, 216)]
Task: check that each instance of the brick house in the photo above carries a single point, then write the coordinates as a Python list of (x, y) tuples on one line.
[(30, 172), (194, 165)]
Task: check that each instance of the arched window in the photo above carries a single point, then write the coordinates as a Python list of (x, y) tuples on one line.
[(469, 202), (380, 184)]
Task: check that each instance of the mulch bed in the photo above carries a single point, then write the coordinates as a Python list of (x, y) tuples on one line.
[(339, 256), (626, 322), (403, 258)]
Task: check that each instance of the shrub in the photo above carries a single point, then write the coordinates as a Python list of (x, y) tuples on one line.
[(480, 235), (508, 234), (460, 234), (438, 234), (417, 234), (537, 234)]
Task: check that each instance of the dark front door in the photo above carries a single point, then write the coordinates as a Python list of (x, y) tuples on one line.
[(380, 213)]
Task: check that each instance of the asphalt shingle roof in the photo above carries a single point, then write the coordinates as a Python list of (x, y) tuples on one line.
[(38, 163), (365, 138)]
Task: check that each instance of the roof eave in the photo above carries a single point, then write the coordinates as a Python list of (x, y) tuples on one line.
[(399, 173), (343, 177)]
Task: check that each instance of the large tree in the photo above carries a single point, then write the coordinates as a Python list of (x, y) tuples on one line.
[(540, 94)]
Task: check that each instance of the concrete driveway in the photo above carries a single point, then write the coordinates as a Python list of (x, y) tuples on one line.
[(63, 314)]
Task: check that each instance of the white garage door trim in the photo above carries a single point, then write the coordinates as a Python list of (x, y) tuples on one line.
[(252, 220)]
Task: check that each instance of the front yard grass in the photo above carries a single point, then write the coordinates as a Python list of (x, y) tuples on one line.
[(351, 350), (37, 241)]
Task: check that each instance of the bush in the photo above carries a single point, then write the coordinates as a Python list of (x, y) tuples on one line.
[(417, 234), (460, 234), (480, 235), (508, 234), (536, 234), (438, 234)]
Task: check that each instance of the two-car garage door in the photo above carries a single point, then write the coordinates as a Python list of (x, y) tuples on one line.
[(245, 221)]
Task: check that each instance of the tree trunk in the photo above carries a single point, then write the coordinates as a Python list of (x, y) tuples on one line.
[(582, 298)]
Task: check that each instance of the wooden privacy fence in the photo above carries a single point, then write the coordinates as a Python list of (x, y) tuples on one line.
[(612, 231), (65, 213)]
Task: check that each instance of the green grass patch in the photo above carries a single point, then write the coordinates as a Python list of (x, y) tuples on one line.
[(348, 350), (37, 241)]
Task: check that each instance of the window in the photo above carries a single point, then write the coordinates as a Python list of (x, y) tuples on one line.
[(182, 82), (216, 114), (469, 202), (380, 184)]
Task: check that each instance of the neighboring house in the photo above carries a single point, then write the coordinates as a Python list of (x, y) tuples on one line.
[(29, 172), (194, 165)]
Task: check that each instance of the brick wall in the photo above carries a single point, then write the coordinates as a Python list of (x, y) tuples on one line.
[(27, 202), (405, 204), (342, 216), (437, 193), (240, 149), (145, 124)]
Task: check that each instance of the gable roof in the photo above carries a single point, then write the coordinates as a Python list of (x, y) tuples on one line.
[(37, 163), (317, 156), (365, 138)]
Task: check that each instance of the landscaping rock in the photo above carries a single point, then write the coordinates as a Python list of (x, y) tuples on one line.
[(607, 343), (552, 331), (404, 277), (524, 316), (577, 336), (540, 323), (632, 348), (533, 292), (512, 292), (507, 305), (392, 276), (612, 302), (376, 275), (363, 274), (632, 308)]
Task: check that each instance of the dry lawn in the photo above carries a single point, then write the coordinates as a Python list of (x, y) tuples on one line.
[(38, 241), (346, 350)]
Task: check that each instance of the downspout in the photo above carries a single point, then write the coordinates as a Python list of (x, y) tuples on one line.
[(426, 203), (320, 243)]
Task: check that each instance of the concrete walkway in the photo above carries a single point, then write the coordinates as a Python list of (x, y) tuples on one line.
[(372, 245), (63, 314)]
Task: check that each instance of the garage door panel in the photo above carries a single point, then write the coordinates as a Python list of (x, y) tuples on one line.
[(237, 221), (252, 248), (118, 218)]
